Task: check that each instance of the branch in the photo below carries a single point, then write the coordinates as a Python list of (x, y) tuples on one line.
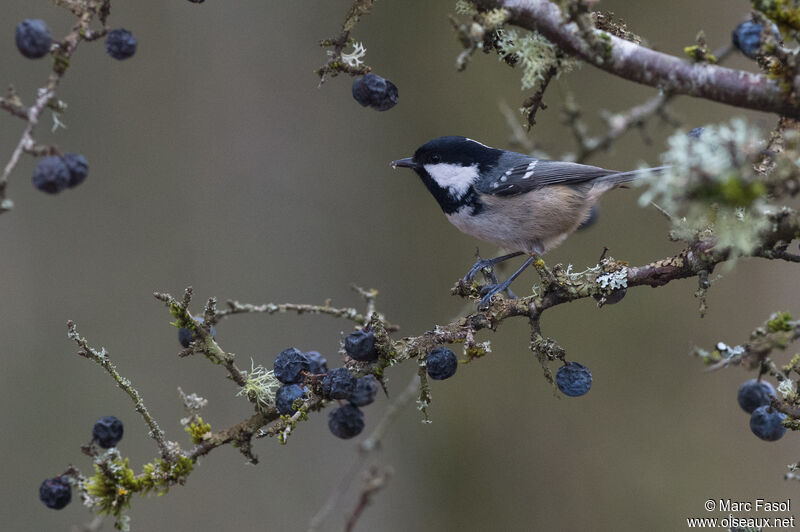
[(643, 65), (234, 307), (369, 446), (206, 343), (102, 358), (335, 63), (86, 12)]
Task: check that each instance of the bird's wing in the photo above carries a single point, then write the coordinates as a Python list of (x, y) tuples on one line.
[(526, 174)]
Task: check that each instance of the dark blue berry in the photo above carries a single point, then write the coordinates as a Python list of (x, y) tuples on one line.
[(316, 363), (765, 422), (78, 168), (747, 37), (107, 432), (696, 133), (613, 297), (373, 91), (754, 393), (285, 398), (346, 422), (590, 220), (289, 365), (360, 346), (120, 44), (33, 38), (442, 363), (51, 175), (338, 384), (574, 379), (186, 336), (365, 391), (55, 492)]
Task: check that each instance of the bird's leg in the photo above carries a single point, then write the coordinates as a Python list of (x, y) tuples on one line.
[(489, 291), (485, 263), (544, 272)]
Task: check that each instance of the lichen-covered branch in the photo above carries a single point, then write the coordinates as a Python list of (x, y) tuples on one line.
[(207, 345), (636, 63), (102, 358), (234, 307), (336, 62)]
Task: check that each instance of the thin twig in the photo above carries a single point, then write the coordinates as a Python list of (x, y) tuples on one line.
[(86, 12), (234, 307), (102, 358), (367, 447)]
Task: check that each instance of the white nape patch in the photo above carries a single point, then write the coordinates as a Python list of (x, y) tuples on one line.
[(476, 142), (454, 177)]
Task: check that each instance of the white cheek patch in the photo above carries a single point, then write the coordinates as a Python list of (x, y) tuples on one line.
[(454, 177)]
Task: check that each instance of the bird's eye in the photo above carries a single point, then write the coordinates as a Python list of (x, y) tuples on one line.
[(436, 159)]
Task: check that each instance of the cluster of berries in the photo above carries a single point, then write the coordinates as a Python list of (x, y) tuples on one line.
[(292, 365), (53, 173), (754, 397), (56, 492), (347, 421)]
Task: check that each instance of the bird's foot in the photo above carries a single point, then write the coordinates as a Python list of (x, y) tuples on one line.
[(488, 263), (490, 290), (477, 267)]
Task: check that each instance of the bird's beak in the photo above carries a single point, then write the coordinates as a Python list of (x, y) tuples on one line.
[(408, 162)]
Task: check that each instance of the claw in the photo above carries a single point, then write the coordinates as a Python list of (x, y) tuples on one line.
[(486, 263), (478, 266), (489, 291)]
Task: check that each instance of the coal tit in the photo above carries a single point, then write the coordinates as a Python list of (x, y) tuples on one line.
[(523, 204)]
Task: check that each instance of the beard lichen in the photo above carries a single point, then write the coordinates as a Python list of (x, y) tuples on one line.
[(260, 387), (711, 184)]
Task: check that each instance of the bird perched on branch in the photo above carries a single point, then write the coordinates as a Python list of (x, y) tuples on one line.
[(523, 204)]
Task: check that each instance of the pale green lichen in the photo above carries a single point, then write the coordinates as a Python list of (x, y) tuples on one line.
[(534, 53), (711, 185), (463, 7), (199, 430), (260, 387), (614, 280), (780, 321), (110, 488), (786, 388), (785, 12)]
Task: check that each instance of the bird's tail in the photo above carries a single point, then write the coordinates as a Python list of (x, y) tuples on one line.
[(621, 178)]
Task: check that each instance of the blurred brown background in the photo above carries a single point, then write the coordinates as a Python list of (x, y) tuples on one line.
[(217, 162)]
